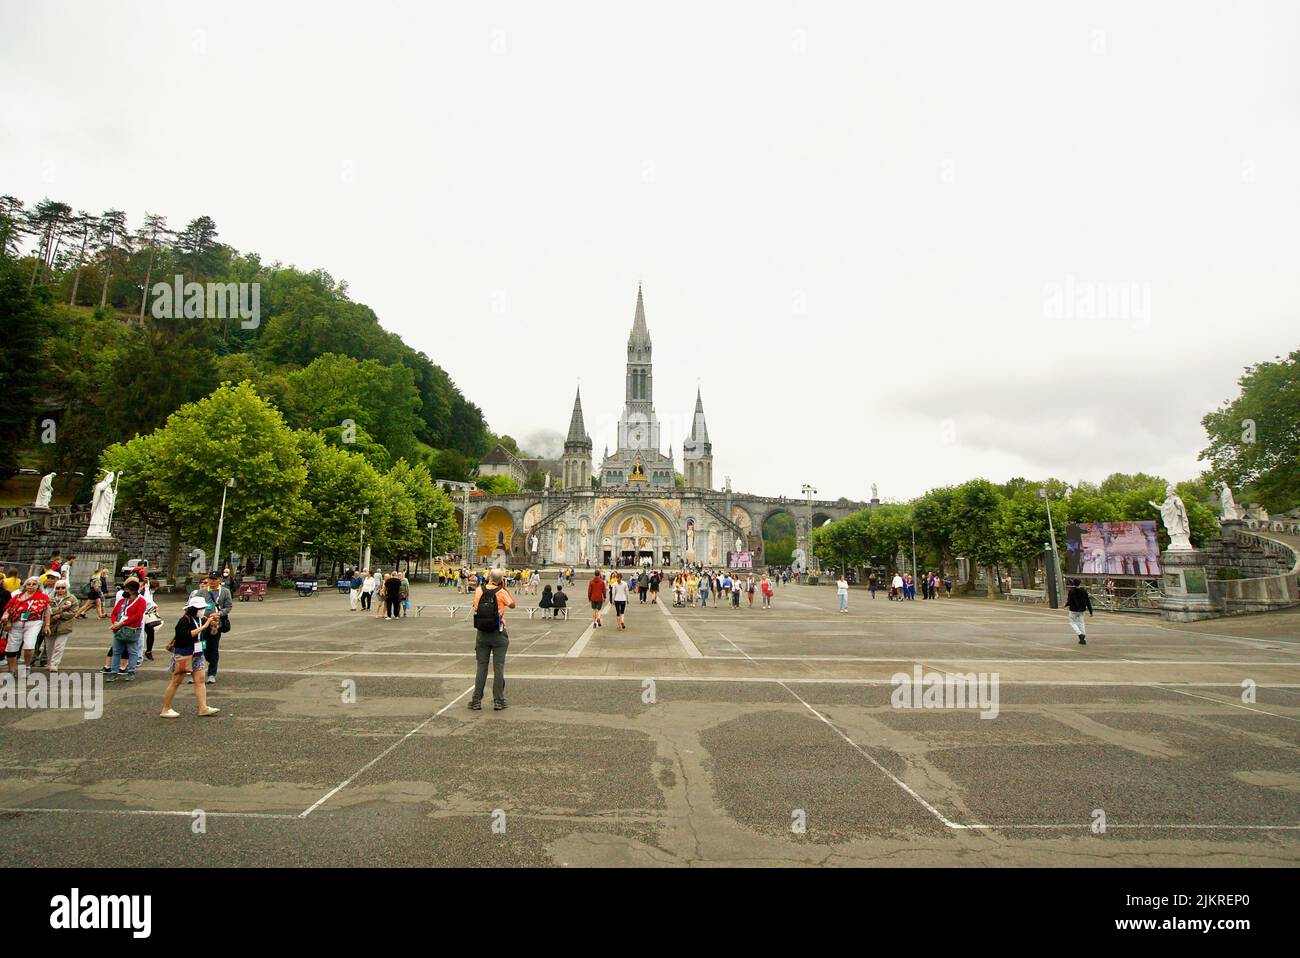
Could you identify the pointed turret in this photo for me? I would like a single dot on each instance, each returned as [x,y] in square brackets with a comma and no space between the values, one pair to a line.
[699,428]
[577,450]
[577,428]
[697,451]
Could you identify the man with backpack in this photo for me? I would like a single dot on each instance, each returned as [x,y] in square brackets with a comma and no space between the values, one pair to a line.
[491,642]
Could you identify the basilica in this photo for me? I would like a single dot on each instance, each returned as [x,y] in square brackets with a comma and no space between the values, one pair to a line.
[638,513]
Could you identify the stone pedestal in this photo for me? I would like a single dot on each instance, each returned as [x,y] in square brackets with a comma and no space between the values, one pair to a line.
[1186,585]
[95,554]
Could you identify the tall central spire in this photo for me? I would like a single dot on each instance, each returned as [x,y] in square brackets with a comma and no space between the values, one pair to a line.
[638,341]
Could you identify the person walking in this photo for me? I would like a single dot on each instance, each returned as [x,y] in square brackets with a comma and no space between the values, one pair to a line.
[25,615]
[367,590]
[63,611]
[491,640]
[127,626]
[596,596]
[186,648]
[655,579]
[896,588]
[842,590]
[1078,601]
[704,591]
[767,589]
[643,585]
[392,597]
[618,595]
[736,588]
[355,582]
[750,588]
[220,601]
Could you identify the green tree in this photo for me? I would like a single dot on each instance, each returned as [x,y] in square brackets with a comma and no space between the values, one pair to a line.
[1255,438]
[232,433]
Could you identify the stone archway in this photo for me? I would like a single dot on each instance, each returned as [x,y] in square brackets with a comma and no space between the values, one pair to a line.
[495,536]
[637,533]
[780,532]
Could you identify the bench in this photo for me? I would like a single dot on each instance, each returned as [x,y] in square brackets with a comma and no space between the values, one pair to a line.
[1028,595]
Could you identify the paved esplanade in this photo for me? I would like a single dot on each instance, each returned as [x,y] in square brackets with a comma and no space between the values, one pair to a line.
[697,736]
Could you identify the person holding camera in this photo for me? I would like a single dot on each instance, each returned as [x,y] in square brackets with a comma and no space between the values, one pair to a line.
[186,648]
[491,641]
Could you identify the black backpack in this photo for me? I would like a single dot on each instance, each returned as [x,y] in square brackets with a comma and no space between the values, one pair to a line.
[486,615]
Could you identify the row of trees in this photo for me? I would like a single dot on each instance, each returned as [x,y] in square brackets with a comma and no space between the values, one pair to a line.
[294,490]
[999,526]
[85,351]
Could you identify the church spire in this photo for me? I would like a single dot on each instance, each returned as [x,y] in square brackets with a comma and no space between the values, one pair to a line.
[699,428]
[577,428]
[639,339]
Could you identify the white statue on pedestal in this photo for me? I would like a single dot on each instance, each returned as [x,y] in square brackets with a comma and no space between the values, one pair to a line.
[534,542]
[101,507]
[1231,511]
[740,546]
[874,494]
[1174,515]
[45,491]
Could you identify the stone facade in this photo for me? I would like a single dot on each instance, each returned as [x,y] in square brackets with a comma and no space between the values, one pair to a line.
[638,515]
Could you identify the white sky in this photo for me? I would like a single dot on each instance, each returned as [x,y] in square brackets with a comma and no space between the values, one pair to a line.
[848,218]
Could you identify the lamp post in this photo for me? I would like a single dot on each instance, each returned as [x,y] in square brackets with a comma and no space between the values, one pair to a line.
[809,491]
[466,488]
[361,552]
[1055,583]
[914,557]
[221,521]
[432,526]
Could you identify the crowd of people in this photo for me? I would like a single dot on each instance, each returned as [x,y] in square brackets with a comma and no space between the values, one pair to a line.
[39,614]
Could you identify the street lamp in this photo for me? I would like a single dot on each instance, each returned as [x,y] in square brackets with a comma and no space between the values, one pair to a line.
[361,552]
[809,491]
[1056,559]
[432,526]
[216,555]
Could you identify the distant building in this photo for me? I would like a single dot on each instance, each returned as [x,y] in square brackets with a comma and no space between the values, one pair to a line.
[638,516]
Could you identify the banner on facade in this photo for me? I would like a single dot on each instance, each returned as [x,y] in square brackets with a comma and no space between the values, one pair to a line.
[740,560]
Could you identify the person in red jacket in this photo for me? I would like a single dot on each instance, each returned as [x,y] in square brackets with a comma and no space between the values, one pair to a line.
[596,593]
[128,623]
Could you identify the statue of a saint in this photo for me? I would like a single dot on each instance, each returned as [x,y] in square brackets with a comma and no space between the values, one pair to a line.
[740,546]
[101,507]
[45,491]
[533,542]
[1230,509]
[874,493]
[1174,515]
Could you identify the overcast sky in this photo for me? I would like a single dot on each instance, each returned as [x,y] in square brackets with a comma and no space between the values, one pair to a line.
[901,243]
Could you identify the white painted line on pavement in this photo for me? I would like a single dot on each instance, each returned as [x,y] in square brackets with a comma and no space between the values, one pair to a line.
[149,811]
[861,751]
[349,780]
[1234,705]
[692,650]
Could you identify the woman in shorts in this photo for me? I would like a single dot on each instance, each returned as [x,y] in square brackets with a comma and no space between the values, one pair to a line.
[618,595]
[187,656]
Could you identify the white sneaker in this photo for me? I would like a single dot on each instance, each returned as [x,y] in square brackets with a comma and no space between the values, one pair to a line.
[208,711]
[170,713]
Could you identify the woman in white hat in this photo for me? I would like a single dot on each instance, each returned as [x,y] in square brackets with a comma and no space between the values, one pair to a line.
[187,656]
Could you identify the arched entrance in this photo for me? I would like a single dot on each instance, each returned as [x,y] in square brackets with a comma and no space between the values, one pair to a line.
[637,534]
[495,535]
[780,537]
